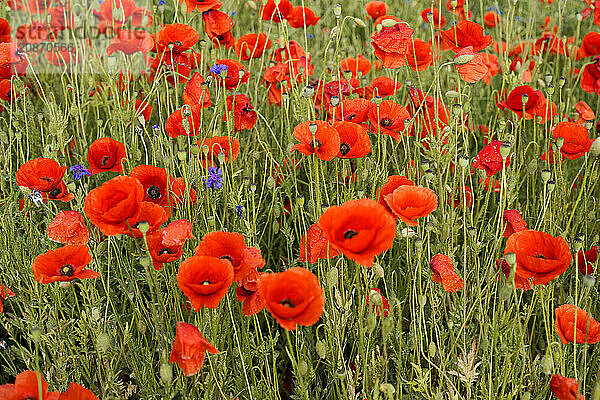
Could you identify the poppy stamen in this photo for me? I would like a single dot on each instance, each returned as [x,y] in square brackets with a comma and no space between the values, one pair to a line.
[153,192]
[316,144]
[54,193]
[206,282]
[105,160]
[287,303]
[67,270]
[349,234]
[385,122]
[344,148]
[540,255]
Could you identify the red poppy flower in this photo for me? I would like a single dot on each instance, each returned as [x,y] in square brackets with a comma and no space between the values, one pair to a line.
[63,264]
[493,68]
[435,16]
[491,19]
[585,112]
[354,110]
[4,31]
[230,246]
[176,38]
[392,45]
[166,244]
[104,155]
[317,137]
[391,184]
[590,45]
[77,392]
[68,227]
[360,229]
[196,92]
[252,45]
[442,271]
[226,145]
[539,255]
[420,56]
[410,202]
[26,387]
[389,119]
[464,34]
[165,191]
[314,246]
[116,13]
[237,74]
[520,283]
[153,214]
[189,349]
[5,293]
[200,5]
[523,100]
[275,12]
[514,222]
[357,66]
[249,294]
[376,9]
[244,115]
[185,121]
[565,388]
[586,260]
[111,206]
[205,280]
[217,26]
[174,67]
[385,86]
[473,70]
[354,140]
[294,297]
[130,41]
[489,159]
[43,174]
[383,307]
[576,137]
[300,17]
[580,328]
[590,77]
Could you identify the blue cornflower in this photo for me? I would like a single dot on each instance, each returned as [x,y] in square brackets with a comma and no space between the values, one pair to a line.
[155,127]
[218,68]
[79,171]
[239,210]
[161,2]
[233,13]
[36,197]
[310,36]
[215,178]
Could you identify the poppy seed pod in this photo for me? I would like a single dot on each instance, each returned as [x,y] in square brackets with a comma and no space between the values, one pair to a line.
[595,148]
[545,175]
[547,364]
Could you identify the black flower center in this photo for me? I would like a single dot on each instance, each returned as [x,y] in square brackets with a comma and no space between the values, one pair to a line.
[54,193]
[165,250]
[385,122]
[67,270]
[540,255]
[350,117]
[227,257]
[349,234]
[287,303]
[344,148]
[316,144]
[105,160]
[153,192]
[47,179]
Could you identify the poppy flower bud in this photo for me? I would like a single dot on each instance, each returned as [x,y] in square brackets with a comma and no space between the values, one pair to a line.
[321,349]
[302,368]
[103,342]
[387,389]
[36,334]
[387,326]
[464,59]
[388,22]
[371,323]
[64,285]
[270,183]
[378,270]
[432,349]
[360,22]
[547,364]
[332,277]
[506,291]
[463,162]
[595,148]
[166,373]
[545,175]
[589,281]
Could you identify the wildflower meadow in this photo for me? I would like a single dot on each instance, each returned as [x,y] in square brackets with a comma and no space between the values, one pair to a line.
[299,199]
